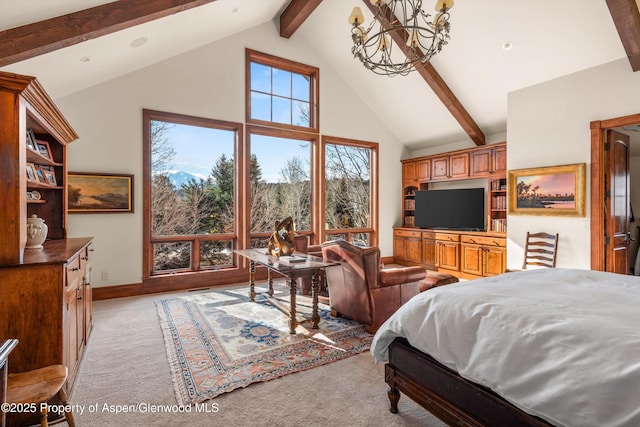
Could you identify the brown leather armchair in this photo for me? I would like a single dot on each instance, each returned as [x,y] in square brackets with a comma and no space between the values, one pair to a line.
[360,290]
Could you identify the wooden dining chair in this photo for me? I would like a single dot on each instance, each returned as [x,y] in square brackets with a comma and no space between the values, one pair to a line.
[540,250]
[38,387]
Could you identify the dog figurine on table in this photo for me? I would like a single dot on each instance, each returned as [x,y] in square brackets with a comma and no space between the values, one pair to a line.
[281,242]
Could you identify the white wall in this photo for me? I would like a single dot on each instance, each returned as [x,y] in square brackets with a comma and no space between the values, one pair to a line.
[206,82]
[548,125]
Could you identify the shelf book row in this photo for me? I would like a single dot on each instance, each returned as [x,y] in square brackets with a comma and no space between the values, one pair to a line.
[499,225]
[499,185]
[409,221]
[410,204]
[499,202]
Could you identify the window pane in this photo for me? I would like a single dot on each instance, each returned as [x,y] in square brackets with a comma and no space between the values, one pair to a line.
[281,96]
[260,78]
[282,110]
[281,82]
[171,256]
[348,188]
[259,242]
[360,239]
[300,85]
[192,179]
[216,253]
[342,236]
[280,182]
[301,113]
[260,106]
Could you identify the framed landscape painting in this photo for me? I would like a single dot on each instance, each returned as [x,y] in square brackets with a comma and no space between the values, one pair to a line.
[553,191]
[99,193]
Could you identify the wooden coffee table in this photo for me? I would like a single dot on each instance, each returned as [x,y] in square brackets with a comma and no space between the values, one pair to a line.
[292,268]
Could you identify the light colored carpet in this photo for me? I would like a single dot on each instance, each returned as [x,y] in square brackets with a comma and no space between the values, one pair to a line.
[125,368]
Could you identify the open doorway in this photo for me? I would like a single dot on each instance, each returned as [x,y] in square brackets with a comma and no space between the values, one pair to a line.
[614,236]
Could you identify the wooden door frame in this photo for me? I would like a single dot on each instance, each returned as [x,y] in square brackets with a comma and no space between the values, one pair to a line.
[598,155]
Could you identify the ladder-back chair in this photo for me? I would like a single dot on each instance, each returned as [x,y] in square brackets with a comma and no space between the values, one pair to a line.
[540,250]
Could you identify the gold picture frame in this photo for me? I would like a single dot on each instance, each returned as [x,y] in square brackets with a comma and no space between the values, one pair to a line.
[552,191]
[99,193]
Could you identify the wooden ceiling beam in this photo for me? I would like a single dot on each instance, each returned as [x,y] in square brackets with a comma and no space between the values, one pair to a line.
[626,17]
[435,81]
[295,14]
[28,41]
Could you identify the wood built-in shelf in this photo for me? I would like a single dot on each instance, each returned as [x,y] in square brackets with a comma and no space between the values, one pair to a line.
[487,162]
[36,201]
[39,159]
[33,184]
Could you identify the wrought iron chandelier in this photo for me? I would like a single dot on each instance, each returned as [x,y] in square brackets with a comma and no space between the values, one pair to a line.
[404,36]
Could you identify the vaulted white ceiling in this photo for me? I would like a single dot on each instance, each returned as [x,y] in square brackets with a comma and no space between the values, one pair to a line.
[550,39]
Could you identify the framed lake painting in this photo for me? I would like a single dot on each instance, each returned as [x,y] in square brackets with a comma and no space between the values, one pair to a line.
[554,190]
[99,193]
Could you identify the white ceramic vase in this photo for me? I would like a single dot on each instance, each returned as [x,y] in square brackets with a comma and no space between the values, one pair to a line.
[36,232]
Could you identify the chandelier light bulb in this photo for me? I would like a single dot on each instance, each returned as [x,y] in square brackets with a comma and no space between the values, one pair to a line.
[444,4]
[356,17]
[413,41]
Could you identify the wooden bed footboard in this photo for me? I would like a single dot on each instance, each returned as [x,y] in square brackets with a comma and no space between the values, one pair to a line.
[446,394]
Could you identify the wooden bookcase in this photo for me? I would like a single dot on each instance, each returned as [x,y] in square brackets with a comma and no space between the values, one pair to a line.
[464,254]
[487,162]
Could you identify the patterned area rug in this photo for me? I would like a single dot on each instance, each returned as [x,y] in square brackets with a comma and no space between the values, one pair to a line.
[220,341]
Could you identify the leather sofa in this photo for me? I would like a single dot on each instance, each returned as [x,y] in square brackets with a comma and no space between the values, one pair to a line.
[360,290]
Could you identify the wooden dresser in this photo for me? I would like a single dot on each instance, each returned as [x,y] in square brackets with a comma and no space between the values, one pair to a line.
[46,304]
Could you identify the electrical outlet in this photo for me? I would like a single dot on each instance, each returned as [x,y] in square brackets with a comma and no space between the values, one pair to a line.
[105,275]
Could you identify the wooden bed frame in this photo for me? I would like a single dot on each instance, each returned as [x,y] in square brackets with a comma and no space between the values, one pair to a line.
[446,394]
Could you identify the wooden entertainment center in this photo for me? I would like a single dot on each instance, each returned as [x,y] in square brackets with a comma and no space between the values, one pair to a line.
[465,254]
[45,293]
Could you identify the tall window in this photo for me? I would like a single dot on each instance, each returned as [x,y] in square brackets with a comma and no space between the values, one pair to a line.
[191,185]
[280,182]
[281,93]
[350,190]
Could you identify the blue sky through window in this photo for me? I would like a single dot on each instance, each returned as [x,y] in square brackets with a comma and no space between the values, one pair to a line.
[198,148]
[279,96]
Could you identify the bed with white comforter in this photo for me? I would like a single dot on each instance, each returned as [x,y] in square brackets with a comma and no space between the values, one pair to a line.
[561,344]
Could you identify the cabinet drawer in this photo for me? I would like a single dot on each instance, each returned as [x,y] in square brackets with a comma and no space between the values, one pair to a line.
[74,272]
[448,237]
[485,241]
[406,233]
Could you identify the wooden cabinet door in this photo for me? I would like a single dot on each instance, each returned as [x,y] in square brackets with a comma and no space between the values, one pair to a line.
[413,249]
[499,159]
[409,172]
[472,259]
[423,169]
[71,333]
[398,249]
[481,163]
[495,260]
[459,165]
[429,252]
[448,255]
[88,311]
[440,167]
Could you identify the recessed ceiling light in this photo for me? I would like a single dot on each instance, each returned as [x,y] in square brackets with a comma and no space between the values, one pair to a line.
[139,42]
[507,46]
[85,59]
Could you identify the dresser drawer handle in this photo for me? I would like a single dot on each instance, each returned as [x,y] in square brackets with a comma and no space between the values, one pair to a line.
[75,268]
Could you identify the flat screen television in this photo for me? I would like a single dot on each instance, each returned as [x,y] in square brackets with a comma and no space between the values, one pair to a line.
[452,209]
